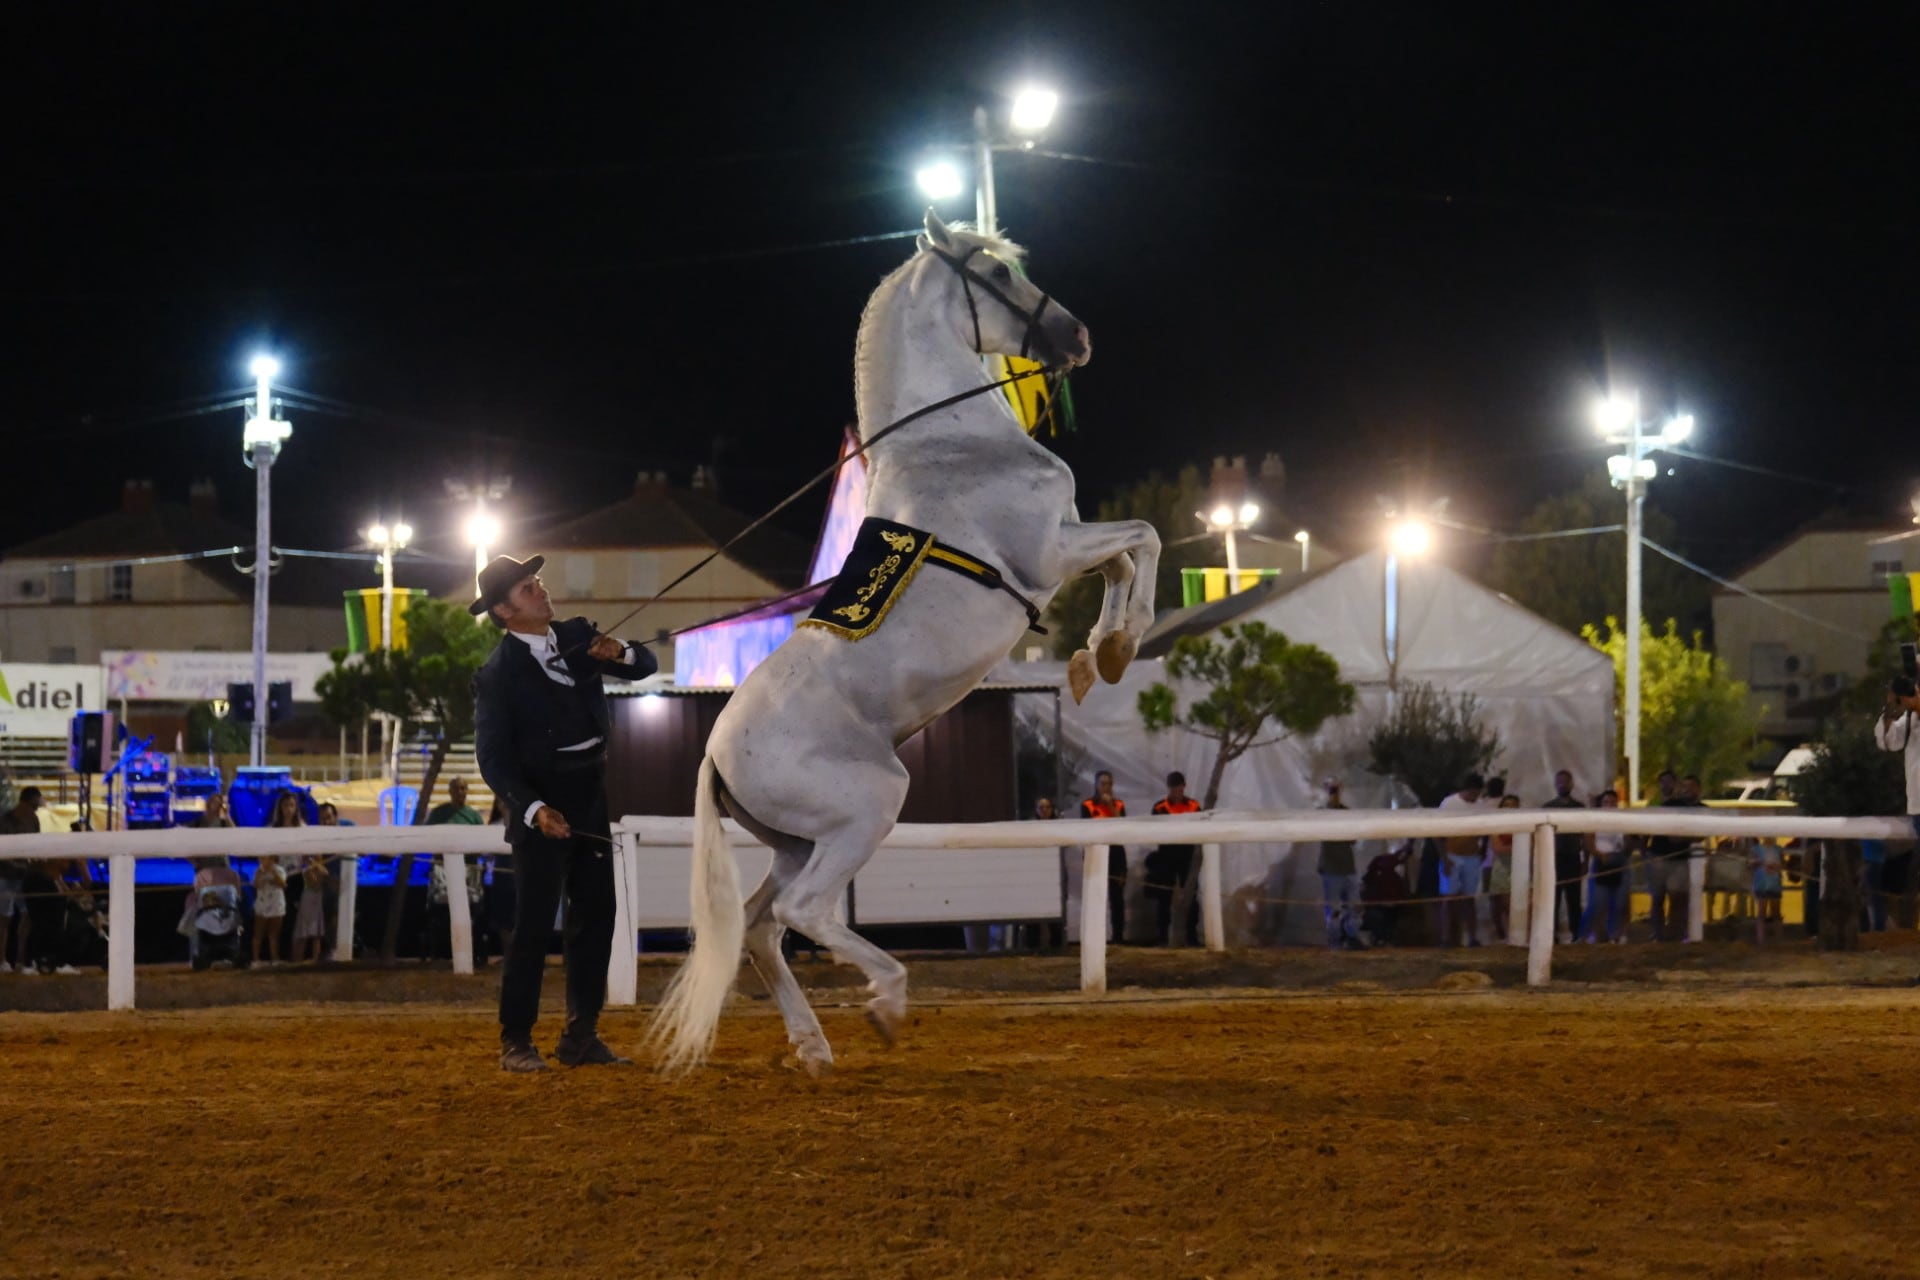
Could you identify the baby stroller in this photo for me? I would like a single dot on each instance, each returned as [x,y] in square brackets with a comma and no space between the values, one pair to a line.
[213,922]
[1383,890]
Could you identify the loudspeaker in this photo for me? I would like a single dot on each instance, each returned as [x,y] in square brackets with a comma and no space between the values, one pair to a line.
[279,702]
[90,742]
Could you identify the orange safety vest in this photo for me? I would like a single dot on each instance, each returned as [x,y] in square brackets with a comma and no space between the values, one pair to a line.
[1095,807]
[1185,805]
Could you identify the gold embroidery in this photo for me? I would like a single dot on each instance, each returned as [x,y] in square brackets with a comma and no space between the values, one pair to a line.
[885,581]
[902,542]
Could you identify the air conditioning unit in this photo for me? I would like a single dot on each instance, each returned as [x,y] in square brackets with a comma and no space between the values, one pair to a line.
[1793,691]
[33,588]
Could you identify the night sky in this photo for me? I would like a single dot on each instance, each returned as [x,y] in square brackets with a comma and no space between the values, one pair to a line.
[1404,245]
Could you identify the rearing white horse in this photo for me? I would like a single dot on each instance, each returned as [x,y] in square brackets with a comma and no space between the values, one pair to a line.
[805,755]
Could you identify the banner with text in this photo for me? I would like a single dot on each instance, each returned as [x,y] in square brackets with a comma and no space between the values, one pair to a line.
[37,700]
[152,675]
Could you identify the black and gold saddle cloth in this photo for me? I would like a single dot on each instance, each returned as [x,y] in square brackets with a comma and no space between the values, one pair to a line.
[884,558]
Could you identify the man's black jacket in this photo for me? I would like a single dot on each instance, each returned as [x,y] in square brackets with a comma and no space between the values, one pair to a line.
[517,707]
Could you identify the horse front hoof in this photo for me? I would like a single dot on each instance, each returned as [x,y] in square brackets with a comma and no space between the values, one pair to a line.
[886,1026]
[1116,650]
[1080,675]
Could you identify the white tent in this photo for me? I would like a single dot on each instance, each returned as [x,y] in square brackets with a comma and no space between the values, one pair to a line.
[1549,694]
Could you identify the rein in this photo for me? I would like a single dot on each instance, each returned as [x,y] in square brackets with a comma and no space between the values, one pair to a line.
[969,278]
[557,661]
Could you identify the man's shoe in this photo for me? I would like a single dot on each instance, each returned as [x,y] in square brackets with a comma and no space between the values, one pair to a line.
[521,1059]
[592,1053]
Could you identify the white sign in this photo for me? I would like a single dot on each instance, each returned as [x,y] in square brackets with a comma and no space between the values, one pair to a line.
[37,700]
[151,675]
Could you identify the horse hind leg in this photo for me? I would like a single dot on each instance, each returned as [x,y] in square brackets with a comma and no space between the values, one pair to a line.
[764,933]
[808,903]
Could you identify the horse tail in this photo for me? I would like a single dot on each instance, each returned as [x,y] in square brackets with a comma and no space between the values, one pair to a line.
[688,1018]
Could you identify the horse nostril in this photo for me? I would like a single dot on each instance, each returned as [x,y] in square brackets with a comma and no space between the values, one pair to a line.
[1080,332]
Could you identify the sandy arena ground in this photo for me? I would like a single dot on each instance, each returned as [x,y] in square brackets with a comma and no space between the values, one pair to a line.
[1668,1129]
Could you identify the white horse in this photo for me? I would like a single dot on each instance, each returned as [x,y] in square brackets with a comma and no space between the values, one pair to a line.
[805,755]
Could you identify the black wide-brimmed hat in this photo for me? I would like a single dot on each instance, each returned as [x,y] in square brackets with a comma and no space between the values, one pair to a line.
[499,577]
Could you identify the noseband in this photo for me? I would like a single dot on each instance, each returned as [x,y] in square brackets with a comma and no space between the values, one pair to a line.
[969,278]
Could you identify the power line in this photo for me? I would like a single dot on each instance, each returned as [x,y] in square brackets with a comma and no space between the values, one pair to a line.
[1771,603]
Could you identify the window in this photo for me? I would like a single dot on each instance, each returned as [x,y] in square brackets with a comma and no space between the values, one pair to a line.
[61,586]
[61,654]
[1880,570]
[120,582]
[643,574]
[1768,667]
[580,577]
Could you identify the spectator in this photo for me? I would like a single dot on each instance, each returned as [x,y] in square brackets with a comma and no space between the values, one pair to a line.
[500,896]
[23,818]
[214,813]
[215,916]
[310,921]
[1170,868]
[1338,883]
[1873,886]
[454,812]
[1608,860]
[328,815]
[1500,875]
[1383,892]
[1043,809]
[1664,859]
[1569,857]
[60,901]
[1764,858]
[269,907]
[1460,888]
[1104,804]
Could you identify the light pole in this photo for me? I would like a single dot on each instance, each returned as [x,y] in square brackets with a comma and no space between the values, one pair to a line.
[1619,420]
[1409,538]
[482,531]
[1226,519]
[388,540]
[1303,538]
[262,439]
[1032,112]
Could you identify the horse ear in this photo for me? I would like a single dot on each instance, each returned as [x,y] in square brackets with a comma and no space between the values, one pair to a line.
[921,244]
[937,231]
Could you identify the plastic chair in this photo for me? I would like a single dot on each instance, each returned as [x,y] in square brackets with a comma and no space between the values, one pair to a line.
[397,805]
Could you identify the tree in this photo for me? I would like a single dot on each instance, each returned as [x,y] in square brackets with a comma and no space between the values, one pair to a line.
[1169,506]
[1431,742]
[216,733]
[1693,715]
[427,685]
[1254,677]
[1849,776]
[1575,581]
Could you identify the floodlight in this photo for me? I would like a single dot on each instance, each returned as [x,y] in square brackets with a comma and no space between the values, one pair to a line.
[482,529]
[1300,537]
[1249,512]
[377,535]
[264,367]
[1222,516]
[1033,109]
[1616,413]
[1679,429]
[402,534]
[1410,538]
[939,181]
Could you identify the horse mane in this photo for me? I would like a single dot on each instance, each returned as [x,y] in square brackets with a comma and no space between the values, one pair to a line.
[967,237]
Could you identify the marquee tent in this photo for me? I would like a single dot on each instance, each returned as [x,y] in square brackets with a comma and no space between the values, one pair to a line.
[1389,624]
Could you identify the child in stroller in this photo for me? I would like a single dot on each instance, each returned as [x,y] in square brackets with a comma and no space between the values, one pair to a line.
[1383,890]
[212,918]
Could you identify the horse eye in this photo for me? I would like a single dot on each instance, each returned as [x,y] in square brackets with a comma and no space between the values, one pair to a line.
[1001,273]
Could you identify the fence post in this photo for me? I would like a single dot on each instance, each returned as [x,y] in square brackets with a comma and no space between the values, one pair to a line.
[459,911]
[1213,923]
[343,918]
[1520,891]
[1540,927]
[1696,894]
[1093,920]
[623,979]
[120,931]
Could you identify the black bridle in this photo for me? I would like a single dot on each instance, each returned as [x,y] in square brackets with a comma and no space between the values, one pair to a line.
[969,278]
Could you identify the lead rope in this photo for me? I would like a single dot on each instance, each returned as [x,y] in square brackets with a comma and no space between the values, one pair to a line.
[558,660]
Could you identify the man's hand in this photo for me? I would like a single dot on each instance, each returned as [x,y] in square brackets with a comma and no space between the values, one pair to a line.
[551,823]
[607,649]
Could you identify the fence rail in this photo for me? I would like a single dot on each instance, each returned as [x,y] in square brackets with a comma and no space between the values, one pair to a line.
[634,834]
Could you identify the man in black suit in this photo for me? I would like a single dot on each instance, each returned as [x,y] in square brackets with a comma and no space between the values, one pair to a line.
[541,725]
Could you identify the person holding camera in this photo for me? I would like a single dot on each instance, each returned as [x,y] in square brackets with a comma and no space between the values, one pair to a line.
[1894,731]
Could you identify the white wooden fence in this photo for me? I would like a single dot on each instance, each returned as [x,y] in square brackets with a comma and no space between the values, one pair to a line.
[637,838]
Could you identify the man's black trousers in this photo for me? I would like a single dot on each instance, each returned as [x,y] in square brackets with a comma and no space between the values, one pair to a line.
[544,871]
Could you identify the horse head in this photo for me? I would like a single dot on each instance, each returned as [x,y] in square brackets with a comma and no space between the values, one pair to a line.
[996,309]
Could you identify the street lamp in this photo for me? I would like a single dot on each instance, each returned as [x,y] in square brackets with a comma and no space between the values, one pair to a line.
[1032,111]
[1226,519]
[939,181]
[482,531]
[1619,421]
[1412,538]
[387,540]
[261,440]
[1304,539]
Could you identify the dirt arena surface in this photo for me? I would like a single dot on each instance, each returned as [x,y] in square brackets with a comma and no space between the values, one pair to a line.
[1665,1131]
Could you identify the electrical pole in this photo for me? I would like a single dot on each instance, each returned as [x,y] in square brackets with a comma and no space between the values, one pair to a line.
[263,437]
[984,212]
